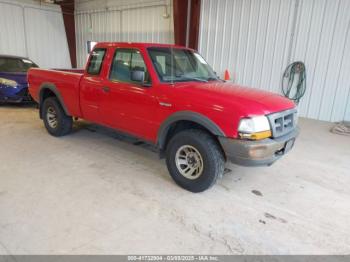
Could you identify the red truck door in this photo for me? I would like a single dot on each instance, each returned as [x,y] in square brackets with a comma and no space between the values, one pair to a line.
[126,104]
[91,87]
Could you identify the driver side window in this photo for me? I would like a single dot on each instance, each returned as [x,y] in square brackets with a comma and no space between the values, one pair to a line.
[125,62]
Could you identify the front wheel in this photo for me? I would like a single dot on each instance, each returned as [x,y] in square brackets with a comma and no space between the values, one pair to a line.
[194,160]
[55,119]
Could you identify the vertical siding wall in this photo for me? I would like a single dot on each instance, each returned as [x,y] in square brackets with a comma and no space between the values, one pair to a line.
[35,31]
[257,39]
[140,22]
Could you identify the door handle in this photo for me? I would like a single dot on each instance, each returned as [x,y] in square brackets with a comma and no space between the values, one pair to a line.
[106,89]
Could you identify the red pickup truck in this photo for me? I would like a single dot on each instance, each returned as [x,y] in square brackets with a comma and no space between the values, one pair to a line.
[169,96]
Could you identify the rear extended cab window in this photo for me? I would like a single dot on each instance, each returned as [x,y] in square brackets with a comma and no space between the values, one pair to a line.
[96,60]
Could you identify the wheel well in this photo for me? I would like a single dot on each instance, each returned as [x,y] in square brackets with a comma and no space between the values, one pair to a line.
[46,93]
[181,125]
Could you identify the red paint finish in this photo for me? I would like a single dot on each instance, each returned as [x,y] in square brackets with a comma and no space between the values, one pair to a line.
[67,83]
[137,110]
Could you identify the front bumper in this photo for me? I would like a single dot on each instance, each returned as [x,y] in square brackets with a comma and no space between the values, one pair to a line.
[257,153]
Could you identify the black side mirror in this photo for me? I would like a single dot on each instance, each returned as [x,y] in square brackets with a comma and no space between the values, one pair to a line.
[138,76]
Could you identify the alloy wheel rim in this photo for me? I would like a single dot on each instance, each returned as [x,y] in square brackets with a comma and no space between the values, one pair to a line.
[189,162]
[51,117]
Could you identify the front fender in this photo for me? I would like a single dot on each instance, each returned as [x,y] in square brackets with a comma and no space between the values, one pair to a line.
[186,116]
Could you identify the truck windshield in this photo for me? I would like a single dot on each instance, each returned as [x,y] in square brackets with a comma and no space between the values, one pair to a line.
[180,65]
[12,65]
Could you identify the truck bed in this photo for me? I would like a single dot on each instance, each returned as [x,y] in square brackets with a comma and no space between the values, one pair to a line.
[64,81]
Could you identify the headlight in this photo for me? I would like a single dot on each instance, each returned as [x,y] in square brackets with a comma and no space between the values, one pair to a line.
[254,128]
[8,82]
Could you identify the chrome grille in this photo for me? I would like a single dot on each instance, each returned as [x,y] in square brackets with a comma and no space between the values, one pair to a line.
[283,122]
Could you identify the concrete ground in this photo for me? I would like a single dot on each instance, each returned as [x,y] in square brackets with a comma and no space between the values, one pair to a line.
[92,192]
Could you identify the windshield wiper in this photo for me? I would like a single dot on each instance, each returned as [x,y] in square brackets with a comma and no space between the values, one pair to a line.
[212,78]
[197,79]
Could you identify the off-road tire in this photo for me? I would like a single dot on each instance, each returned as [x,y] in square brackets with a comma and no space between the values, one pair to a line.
[64,122]
[210,151]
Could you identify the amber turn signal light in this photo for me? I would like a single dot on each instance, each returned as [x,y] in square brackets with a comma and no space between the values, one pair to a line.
[256,136]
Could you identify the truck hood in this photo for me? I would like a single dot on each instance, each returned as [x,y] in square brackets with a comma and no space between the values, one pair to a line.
[229,96]
[19,77]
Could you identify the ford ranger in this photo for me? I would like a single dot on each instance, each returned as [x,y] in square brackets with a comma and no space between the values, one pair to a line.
[169,96]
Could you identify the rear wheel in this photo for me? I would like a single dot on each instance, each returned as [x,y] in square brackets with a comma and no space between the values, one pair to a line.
[55,119]
[194,160]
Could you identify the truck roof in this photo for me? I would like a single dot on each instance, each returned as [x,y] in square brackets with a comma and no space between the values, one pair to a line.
[139,45]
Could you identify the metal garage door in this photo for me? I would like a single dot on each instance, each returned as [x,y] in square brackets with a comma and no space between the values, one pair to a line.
[257,40]
[137,23]
[36,31]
